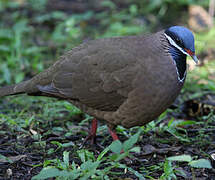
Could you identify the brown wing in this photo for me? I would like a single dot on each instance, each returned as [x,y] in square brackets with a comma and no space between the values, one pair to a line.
[98,75]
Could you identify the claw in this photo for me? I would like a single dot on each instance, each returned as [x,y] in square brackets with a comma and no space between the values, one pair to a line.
[92,133]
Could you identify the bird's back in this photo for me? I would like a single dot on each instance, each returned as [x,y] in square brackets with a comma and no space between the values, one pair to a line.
[123,80]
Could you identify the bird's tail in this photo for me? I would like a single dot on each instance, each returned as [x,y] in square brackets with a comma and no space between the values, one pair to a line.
[13,89]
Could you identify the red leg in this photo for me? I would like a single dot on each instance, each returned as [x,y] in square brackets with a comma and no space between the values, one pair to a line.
[93,130]
[113,134]
[92,133]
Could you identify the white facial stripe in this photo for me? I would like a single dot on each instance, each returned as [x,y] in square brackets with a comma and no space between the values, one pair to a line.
[171,41]
[178,47]
[179,79]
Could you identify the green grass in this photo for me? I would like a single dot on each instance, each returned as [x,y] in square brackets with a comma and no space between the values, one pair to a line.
[52,131]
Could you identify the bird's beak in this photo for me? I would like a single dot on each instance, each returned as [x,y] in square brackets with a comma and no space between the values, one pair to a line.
[195,58]
[192,55]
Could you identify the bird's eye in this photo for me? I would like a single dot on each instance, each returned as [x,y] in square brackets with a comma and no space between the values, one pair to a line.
[178,40]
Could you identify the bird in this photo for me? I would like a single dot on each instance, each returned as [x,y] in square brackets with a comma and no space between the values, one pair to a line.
[127,81]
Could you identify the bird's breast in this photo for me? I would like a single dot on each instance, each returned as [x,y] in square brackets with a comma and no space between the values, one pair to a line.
[157,87]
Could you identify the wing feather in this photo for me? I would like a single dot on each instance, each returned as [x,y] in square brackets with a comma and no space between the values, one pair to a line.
[99,75]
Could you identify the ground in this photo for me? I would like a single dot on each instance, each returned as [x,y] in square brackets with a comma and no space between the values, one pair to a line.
[42,137]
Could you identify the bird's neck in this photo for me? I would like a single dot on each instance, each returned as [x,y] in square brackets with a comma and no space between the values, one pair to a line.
[180,61]
[178,57]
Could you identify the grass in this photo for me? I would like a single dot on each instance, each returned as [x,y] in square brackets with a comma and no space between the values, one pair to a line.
[41,137]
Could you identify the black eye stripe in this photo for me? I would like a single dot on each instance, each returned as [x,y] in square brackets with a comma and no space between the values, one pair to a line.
[175,38]
[179,42]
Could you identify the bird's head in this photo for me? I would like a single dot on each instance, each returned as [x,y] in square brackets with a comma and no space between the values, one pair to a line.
[182,39]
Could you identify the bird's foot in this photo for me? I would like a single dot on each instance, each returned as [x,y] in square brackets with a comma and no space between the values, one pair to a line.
[114,136]
[91,138]
[92,134]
